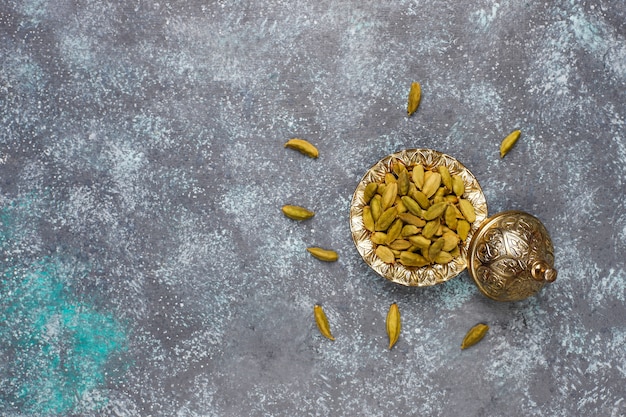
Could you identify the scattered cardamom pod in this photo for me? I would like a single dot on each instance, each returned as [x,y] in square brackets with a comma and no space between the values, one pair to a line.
[297,212]
[325,255]
[508,142]
[322,322]
[415,95]
[394,324]
[474,335]
[302,146]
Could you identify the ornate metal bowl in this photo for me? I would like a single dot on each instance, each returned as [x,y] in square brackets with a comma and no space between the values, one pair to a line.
[398,273]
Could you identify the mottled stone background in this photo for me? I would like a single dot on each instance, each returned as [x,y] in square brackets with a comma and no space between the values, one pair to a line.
[147,269]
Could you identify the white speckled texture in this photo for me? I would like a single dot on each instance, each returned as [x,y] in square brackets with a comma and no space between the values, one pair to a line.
[148,270]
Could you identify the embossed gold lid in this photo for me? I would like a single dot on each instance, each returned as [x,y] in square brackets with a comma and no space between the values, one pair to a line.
[509,255]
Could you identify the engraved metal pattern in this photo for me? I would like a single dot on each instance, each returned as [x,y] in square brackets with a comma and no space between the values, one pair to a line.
[503,253]
[428,275]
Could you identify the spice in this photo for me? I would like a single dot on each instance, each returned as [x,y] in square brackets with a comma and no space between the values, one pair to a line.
[302,146]
[297,212]
[508,142]
[322,322]
[394,324]
[419,215]
[323,254]
[415,95]
[474,335]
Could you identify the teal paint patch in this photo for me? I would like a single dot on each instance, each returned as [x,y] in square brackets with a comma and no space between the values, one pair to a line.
[56,348]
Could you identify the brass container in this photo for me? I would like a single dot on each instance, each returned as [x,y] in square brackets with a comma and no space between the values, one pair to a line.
[509,255]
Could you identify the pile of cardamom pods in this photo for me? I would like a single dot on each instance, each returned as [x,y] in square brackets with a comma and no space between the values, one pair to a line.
[417,217]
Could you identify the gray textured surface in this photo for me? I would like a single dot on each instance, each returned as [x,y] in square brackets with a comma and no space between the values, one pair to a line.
[148,271]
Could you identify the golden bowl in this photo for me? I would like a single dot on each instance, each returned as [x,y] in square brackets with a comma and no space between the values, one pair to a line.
[398,273]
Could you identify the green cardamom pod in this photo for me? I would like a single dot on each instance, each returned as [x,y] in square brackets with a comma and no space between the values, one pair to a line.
[420,241]
[297,212]
[389,196]
[431,228]
[451,241]
[302,146]
[409,229]
[435,211]
[368,220]
[446,178]
[417,175]
[394,324]
[379,238]
[462,228]
[431,184]
[412,206]
[412,219]
[450,217]
[400,244]
[458,186]
[325,255]
[403,181]
[435,248]
[377,208]
[385,254]
[415,96]
[394,230]
[508,142]
[443,257]
[412,259]
[467,209]
[386,219]
[474,335]
[369,192]
[322,322]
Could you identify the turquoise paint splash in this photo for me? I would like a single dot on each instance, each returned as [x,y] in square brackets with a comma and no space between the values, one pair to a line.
[58,347]
[56,351]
